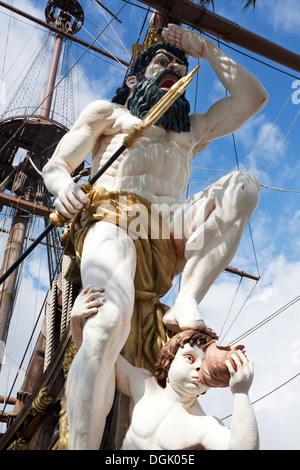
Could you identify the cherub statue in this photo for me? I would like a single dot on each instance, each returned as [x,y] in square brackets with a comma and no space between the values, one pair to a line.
[166,412]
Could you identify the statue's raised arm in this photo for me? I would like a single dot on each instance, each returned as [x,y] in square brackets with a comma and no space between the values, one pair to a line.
[247,95]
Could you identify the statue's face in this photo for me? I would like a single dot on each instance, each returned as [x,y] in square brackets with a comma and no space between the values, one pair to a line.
[164,60]
[164,70]
[184,370]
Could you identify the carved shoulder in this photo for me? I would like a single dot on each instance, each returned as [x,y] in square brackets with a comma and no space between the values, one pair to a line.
[95,113]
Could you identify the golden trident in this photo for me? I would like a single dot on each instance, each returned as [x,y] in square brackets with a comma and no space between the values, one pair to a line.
[138,131]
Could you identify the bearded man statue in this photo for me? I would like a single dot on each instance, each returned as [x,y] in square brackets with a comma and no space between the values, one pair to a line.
[155,172]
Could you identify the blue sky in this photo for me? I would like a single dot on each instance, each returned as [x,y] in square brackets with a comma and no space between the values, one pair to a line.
[275,225]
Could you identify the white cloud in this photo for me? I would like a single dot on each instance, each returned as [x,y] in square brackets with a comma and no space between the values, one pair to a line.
[217,91]
[90,88]
[37,268]
[284,18]
[261,139]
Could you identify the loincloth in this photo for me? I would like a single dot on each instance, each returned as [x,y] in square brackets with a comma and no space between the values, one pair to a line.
[155,251]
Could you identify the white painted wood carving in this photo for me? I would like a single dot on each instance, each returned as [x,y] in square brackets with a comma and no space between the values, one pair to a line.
[157,169]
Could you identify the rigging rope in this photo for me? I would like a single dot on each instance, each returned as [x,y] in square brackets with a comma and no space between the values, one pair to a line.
[24,355]
[123,48]
[253,58]
[6,44]
[270,392]
[28,345]
[210,169]
[284,140]
[257,326]
[270,130]
[254,250]
[266,320]
[21,51]
[277,388]
[25,91]
[17,301]
[102,45]
[10,356]
[200,182]
[230,308]
[280,189]
[235,318]
[142,32]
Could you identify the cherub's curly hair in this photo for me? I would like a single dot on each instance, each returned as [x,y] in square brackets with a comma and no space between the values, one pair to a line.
[169,350]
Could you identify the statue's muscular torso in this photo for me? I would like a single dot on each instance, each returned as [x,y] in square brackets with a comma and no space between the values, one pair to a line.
[157,168]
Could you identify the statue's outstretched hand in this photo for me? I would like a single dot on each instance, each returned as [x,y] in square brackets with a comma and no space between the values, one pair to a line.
[192,43]
[240,380]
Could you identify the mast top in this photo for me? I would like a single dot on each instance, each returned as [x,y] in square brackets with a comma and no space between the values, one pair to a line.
[67,15]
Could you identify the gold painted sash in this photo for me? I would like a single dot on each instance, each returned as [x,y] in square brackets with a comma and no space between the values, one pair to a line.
[155,252]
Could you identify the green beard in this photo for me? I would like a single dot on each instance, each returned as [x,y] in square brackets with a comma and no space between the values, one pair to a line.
[146,94]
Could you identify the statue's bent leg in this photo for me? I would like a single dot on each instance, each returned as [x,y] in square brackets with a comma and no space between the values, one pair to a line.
[109,261]
[214,221]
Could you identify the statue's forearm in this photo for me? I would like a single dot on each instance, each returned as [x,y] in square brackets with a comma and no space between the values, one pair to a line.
[237,80]
[244,432]
[56,176]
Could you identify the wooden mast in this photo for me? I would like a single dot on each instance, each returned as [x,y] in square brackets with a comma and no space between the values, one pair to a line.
[13,250]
